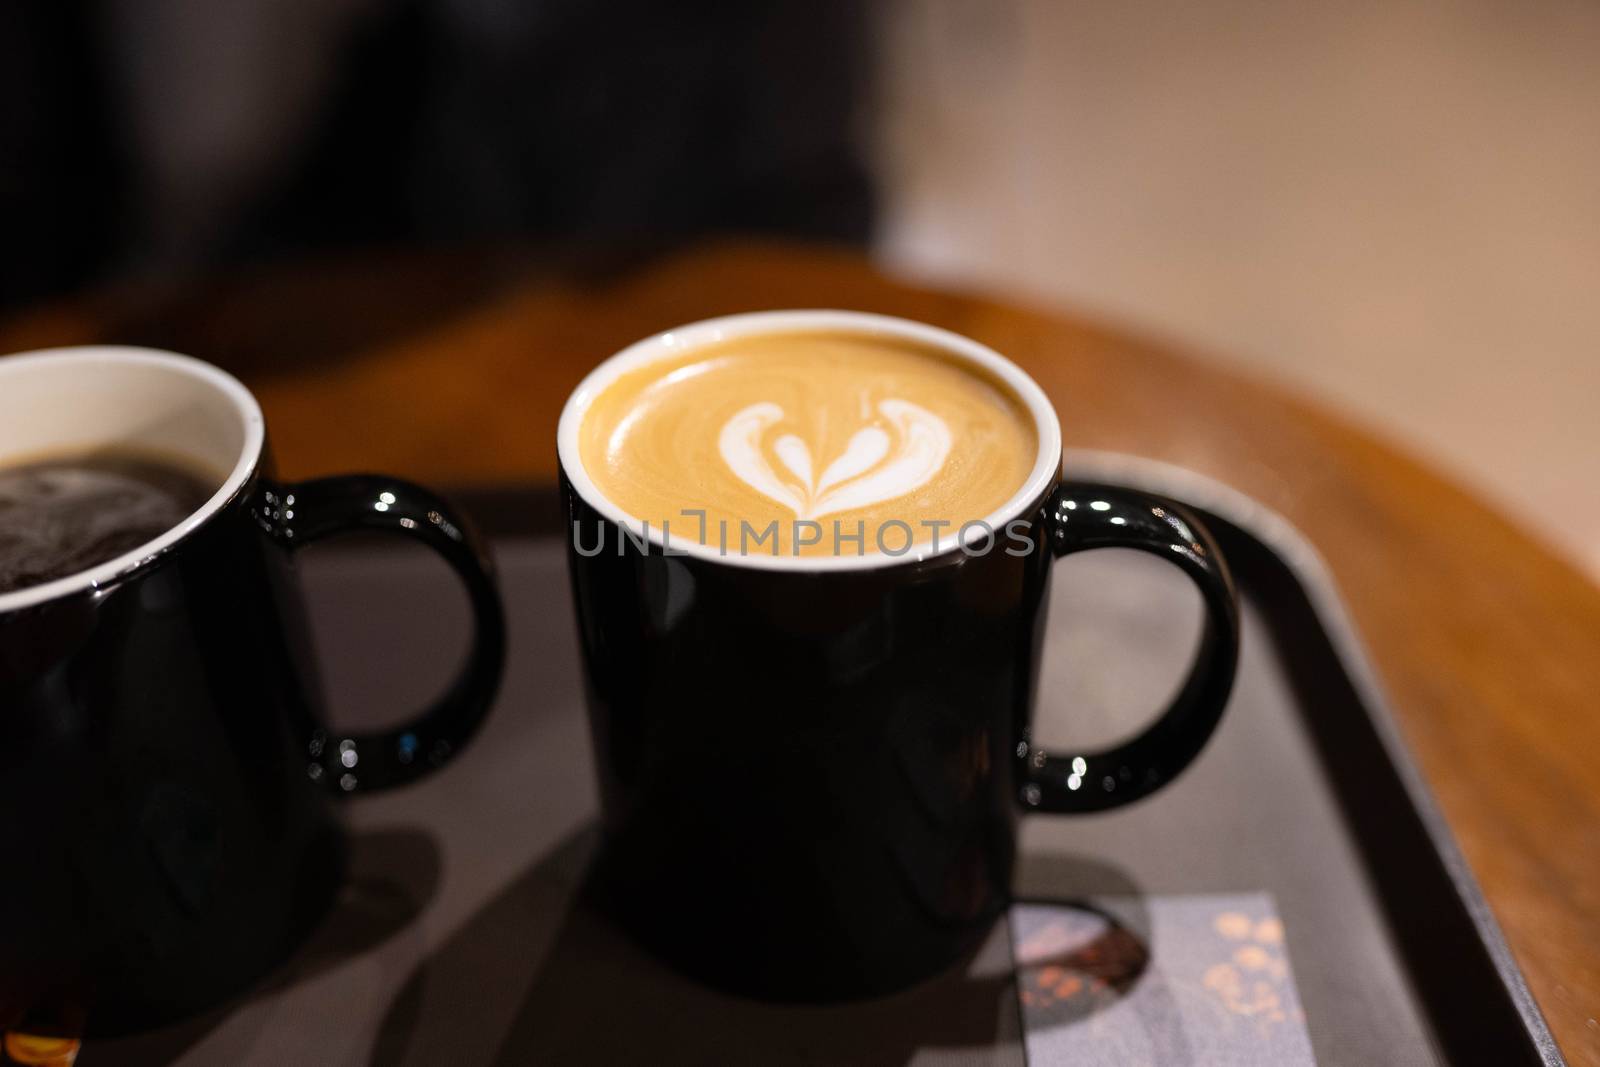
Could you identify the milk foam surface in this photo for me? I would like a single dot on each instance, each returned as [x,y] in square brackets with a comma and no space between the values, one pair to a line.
[831,428]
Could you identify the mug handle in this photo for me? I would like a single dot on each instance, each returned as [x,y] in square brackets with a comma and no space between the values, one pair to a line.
[310,511]
[1082,516]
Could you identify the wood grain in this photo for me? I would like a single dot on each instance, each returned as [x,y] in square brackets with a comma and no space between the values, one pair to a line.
[1488,644]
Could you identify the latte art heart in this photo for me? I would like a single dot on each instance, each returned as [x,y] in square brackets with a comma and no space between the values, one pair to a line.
[853,433]
[876,465]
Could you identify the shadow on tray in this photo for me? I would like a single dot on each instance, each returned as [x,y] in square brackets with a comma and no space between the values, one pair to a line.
[393,875]
[538,975]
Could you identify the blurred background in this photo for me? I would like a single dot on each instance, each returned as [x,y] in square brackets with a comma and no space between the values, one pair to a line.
[1393,207]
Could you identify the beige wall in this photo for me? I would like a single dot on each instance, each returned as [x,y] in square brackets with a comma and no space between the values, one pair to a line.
[1395,207]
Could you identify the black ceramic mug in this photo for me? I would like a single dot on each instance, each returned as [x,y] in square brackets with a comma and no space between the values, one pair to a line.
[812,768]
[167,770]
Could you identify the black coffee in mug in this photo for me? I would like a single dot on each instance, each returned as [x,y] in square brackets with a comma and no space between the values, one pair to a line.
[67,514]
[810,555]
[169,772]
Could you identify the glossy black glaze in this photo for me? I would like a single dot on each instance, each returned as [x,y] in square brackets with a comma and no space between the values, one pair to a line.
[1082,517]
[161,744]
[317,509]
[811,780]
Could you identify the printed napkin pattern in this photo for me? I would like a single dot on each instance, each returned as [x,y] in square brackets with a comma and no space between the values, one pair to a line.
[1159,980]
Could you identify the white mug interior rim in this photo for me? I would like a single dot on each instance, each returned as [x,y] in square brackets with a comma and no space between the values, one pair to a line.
[1047,428]
[90,359]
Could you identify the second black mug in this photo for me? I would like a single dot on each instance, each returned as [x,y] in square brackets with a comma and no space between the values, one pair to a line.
[812,769]
[168,773]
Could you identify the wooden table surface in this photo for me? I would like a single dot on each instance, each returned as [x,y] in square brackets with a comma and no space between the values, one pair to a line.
[451,369]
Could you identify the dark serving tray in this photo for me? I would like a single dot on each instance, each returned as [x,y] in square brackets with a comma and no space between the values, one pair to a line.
[460,938]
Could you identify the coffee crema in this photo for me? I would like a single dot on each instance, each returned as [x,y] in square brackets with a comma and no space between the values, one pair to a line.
[848,431]
[67,514]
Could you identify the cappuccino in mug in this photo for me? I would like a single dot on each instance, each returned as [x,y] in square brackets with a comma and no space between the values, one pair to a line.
[813,760]
[808,443]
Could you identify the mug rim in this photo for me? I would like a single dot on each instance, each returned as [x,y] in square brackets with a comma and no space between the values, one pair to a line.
[118,568]
[680,339]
